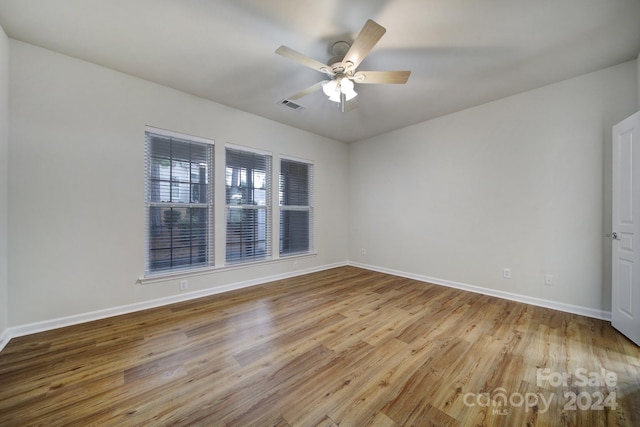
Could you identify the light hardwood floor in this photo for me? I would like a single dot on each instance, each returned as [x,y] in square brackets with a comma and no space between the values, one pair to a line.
[346,347]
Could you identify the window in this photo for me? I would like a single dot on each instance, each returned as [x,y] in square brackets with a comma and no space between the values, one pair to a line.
[179,204]
[296,207]
[179,201]
[248,203]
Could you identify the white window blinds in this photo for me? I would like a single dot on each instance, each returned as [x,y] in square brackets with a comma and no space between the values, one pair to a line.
[296,207]
[248,205]
[179,202]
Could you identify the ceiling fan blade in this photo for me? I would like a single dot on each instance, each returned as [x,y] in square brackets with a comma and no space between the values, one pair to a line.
[381,77]
[304,60]
[308,90]
[370,34]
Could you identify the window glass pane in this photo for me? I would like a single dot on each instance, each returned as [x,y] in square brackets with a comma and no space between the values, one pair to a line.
[247,172]
[174,166]
[294,231]
[294,183]
[160,146]
[247,234]
[177,237]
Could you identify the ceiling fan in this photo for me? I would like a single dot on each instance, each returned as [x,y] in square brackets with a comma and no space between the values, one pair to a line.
[341,69]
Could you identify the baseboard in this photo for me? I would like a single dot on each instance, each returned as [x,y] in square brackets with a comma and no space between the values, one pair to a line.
[569,308]
[46,325]
[4,338]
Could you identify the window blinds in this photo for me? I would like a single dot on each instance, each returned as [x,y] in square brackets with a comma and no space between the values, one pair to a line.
[296,207]
[179,197]
[248,205]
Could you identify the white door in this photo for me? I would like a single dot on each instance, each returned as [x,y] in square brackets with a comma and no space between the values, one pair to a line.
[625,293]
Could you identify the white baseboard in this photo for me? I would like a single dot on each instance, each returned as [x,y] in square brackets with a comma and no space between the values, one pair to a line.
[4,338]
[46,325]
[569,308]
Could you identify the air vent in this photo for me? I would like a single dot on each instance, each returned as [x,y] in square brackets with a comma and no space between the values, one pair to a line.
[291,104]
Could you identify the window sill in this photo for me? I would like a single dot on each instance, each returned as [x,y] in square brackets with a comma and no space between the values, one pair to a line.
[173,275]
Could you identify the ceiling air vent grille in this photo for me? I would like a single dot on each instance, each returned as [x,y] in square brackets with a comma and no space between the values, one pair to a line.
[290,104]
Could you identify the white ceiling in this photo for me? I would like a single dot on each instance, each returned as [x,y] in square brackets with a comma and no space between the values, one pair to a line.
[461,53]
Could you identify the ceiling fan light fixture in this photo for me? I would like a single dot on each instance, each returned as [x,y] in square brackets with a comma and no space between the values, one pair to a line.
[334,88]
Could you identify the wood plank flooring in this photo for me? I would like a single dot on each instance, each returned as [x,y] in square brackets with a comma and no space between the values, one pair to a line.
[342,347]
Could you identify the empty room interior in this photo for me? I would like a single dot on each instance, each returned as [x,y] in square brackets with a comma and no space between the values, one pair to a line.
[320,213]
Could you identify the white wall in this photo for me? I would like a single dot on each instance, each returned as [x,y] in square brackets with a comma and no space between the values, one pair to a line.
[4,177]
[638,79]
[76,211]
[523,183]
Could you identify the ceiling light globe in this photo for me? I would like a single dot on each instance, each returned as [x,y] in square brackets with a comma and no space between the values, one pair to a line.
[330,88]
[346,86]
[350,95]
[335,97]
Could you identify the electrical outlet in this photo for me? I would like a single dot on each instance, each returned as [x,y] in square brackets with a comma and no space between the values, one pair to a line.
[506,273]
[364,251]
[184,285]
[295,265]
[548,279]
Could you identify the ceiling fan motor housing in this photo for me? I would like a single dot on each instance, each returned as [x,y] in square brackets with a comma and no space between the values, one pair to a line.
[339,49]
